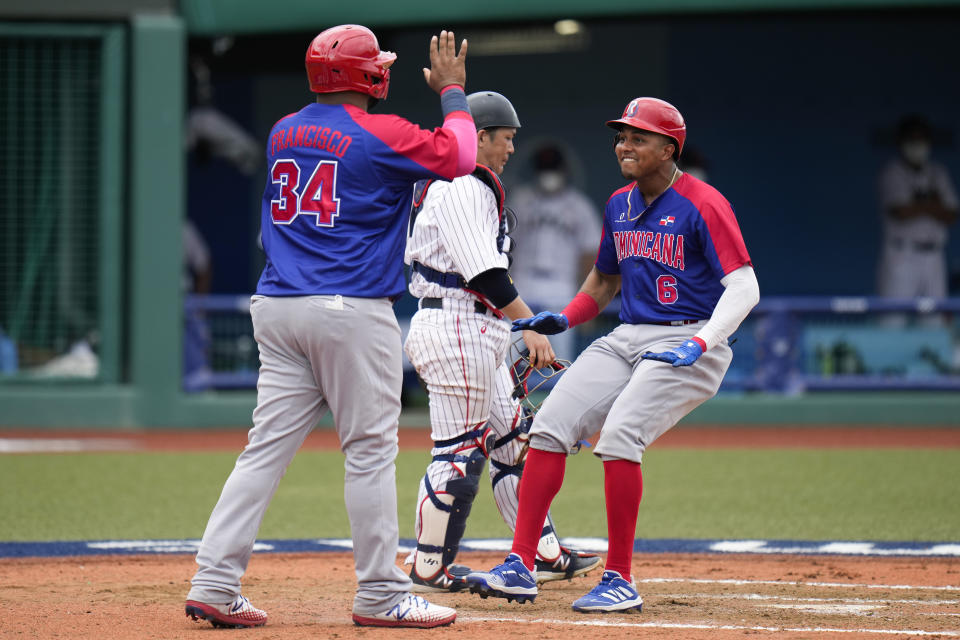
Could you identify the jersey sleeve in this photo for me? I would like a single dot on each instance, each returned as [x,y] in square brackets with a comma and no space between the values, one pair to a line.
[607,254]
[400,151]
[722,241]
[468,227]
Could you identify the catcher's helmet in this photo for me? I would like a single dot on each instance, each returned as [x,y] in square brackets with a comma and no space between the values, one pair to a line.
[652,114]
[348,58]
[490,109]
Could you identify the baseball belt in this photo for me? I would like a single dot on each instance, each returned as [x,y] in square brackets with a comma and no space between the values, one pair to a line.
[437,303]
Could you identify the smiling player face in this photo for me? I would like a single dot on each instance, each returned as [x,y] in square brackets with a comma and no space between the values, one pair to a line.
[640,152]
[495,146]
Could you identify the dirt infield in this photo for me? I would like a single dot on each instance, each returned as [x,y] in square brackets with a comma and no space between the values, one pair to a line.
[689,597]
[781,436]
[309,595]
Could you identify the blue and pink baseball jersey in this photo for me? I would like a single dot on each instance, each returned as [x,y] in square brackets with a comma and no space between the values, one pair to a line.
[672,257]
[338,191]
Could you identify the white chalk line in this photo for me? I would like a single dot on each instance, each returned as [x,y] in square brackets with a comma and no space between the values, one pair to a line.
[757,596]
[65,445]
[706,627]
[837,585]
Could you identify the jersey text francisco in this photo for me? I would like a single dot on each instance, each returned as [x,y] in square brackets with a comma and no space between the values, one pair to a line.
[666,248]
[323,138]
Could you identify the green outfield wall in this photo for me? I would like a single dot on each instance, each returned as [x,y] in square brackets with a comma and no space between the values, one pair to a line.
[124,407]
[139,206]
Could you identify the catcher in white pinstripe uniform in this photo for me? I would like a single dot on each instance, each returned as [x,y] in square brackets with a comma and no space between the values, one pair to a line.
[458,251]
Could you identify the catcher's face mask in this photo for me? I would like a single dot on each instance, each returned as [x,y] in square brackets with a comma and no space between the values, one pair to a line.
[528,380]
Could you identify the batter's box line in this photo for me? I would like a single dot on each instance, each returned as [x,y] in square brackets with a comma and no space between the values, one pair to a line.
[726,546]
[707,627]
[760,597]
[828,585]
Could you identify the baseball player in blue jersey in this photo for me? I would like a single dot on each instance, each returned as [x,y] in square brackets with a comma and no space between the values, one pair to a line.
[672,247]
[337,197]
[459,252]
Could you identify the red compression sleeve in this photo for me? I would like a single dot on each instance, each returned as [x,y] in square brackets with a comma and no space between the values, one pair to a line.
[541,480]
[581,309]
[623,487]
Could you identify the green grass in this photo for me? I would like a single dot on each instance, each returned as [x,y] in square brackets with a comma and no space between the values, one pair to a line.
[783,494]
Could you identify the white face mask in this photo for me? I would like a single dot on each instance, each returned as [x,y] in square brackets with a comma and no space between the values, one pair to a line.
[917,152]
[551,181]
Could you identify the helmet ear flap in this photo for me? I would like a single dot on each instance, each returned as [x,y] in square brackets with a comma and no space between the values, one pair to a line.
[348,58]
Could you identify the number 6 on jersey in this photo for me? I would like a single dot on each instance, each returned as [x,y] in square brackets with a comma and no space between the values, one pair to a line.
[319,196]
[667,289]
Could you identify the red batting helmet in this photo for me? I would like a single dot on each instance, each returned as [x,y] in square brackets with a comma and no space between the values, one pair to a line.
[652,114]
[348,58]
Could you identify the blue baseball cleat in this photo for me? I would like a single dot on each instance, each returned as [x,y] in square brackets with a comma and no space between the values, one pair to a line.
[510,580]
[613,594]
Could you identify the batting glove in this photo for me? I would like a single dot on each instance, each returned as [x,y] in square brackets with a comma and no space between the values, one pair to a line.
[545,322]
[684,355]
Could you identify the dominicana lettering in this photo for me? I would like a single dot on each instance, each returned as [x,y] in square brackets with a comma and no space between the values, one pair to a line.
[666,248]
[323,138]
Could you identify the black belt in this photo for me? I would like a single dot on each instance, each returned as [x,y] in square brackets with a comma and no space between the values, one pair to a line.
[437,303]
[676,323]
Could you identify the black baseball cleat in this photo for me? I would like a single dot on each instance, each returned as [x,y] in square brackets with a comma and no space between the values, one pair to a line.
[485,592]
[570,564]
[450,578]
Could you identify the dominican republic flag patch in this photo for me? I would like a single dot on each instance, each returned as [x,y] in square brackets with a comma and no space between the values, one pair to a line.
[666,221]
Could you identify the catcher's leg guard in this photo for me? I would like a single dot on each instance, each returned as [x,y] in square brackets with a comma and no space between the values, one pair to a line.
[443,513]
[506,466]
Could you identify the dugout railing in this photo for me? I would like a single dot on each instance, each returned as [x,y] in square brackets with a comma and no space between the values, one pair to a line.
[787,345]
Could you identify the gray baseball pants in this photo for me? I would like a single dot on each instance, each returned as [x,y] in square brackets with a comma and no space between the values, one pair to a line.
[317,353]
[630,401]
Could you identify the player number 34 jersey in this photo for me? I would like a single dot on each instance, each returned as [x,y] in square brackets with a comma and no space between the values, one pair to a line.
[338,190]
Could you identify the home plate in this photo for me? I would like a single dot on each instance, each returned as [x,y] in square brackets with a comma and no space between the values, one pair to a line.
[850,609]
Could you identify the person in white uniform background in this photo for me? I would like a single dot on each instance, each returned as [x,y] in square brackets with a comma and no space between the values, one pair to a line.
[918,203]
[554,218]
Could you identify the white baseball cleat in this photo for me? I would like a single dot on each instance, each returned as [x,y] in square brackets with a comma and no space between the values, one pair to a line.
[237,614]
[411,611]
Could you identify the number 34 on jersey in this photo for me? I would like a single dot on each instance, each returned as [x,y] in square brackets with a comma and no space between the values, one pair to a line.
[317,196]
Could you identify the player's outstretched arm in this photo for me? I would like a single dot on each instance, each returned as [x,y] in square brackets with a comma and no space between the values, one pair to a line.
[541,352]
[595,294]
[602,287]
[545,322]
[447,67]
